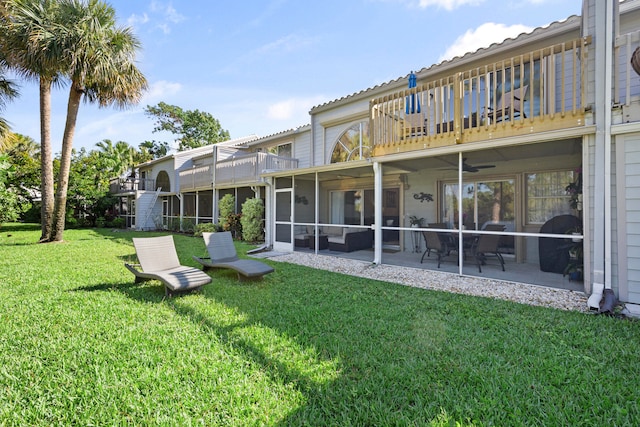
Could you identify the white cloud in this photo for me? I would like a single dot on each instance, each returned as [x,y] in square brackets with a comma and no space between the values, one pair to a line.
[289,43]
[134,19]
[293,108]
[163,16]
[160,90]
[448,4]
[483,36]
[164,28]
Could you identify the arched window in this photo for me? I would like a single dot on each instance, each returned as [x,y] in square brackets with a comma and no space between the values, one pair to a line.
[162,181]
[353,144]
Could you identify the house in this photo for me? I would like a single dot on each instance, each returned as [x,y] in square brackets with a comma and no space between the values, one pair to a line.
[538,136]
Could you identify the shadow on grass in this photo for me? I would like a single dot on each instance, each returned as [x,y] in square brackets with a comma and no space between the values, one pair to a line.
[16,226]
[238,336]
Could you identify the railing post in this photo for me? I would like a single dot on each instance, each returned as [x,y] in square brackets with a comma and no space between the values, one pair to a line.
[457,107]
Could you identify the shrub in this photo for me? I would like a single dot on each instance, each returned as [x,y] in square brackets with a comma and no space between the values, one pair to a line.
[173,224]
[101,222]
[226,206]
[252,220]
[9,206]
[204,227]
[118,222]
[229,219]
[188,225]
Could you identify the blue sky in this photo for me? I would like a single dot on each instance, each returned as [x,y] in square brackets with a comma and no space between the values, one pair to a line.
[260,66]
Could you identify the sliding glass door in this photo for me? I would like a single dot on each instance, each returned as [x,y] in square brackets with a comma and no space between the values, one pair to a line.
[483,202]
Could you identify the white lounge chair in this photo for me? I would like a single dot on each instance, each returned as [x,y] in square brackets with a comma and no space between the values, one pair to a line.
[159,261]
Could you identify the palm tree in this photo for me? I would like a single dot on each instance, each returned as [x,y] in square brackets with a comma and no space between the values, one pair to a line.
[118,157]
[8,91]
[30,36]
[100,64]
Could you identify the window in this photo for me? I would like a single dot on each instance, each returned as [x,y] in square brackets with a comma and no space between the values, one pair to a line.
[162,181]
[353,207]
[353,144]
[283,150]
[546,195]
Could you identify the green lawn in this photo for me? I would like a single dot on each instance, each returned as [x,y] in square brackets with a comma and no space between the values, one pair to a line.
[81,344]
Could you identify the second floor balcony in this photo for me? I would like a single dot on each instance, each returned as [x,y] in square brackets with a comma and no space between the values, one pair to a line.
[537,91]
[130,185]
[246,168]
[197,177]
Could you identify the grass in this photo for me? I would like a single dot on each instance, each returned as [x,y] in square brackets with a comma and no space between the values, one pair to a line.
[81,344]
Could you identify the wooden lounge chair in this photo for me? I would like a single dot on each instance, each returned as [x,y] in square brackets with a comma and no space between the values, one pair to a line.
[222,254]
[159,261]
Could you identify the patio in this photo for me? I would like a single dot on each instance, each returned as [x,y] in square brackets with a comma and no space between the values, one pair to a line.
[528,273]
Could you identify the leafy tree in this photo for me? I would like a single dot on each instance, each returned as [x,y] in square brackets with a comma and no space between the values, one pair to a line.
[31,36]
[23,153]
[99,60]
[155,149]
[9,206]
[89,184]
[193,128]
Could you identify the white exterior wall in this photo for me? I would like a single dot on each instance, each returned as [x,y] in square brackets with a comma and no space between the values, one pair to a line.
[628,216]
[302,148]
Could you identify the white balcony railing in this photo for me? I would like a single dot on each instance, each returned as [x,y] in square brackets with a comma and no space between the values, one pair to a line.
[128,185]
[197,177]
[246,169]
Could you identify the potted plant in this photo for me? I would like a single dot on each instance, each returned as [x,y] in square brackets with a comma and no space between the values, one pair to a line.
[575,266]
[574,190]
[415,221]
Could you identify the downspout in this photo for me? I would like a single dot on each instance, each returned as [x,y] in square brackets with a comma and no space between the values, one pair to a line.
[317,209]
[268,213]
[214,207]
[610,301]
[604,20]
[460,215]
[377,202]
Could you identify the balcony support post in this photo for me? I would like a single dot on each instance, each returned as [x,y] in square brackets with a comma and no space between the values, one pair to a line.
[457,106]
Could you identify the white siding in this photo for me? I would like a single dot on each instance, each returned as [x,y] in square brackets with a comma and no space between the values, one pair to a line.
[146,213]
[302,149]
[632,215]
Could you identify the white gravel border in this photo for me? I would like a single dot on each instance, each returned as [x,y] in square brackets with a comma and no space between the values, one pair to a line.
[428,279]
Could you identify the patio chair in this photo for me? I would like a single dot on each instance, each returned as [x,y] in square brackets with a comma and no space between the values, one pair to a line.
[509,104]
[437,243]
[489,245]
[159,261]
[222,254]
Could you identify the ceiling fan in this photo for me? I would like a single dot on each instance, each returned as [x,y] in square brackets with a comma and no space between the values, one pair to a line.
[466,167]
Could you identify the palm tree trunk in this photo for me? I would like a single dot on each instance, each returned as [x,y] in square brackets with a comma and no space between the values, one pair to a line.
[75,94]
[46,161]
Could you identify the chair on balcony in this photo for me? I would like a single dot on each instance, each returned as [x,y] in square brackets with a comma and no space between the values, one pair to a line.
[159,261]
[509,105]
[222,254]
[414,124]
